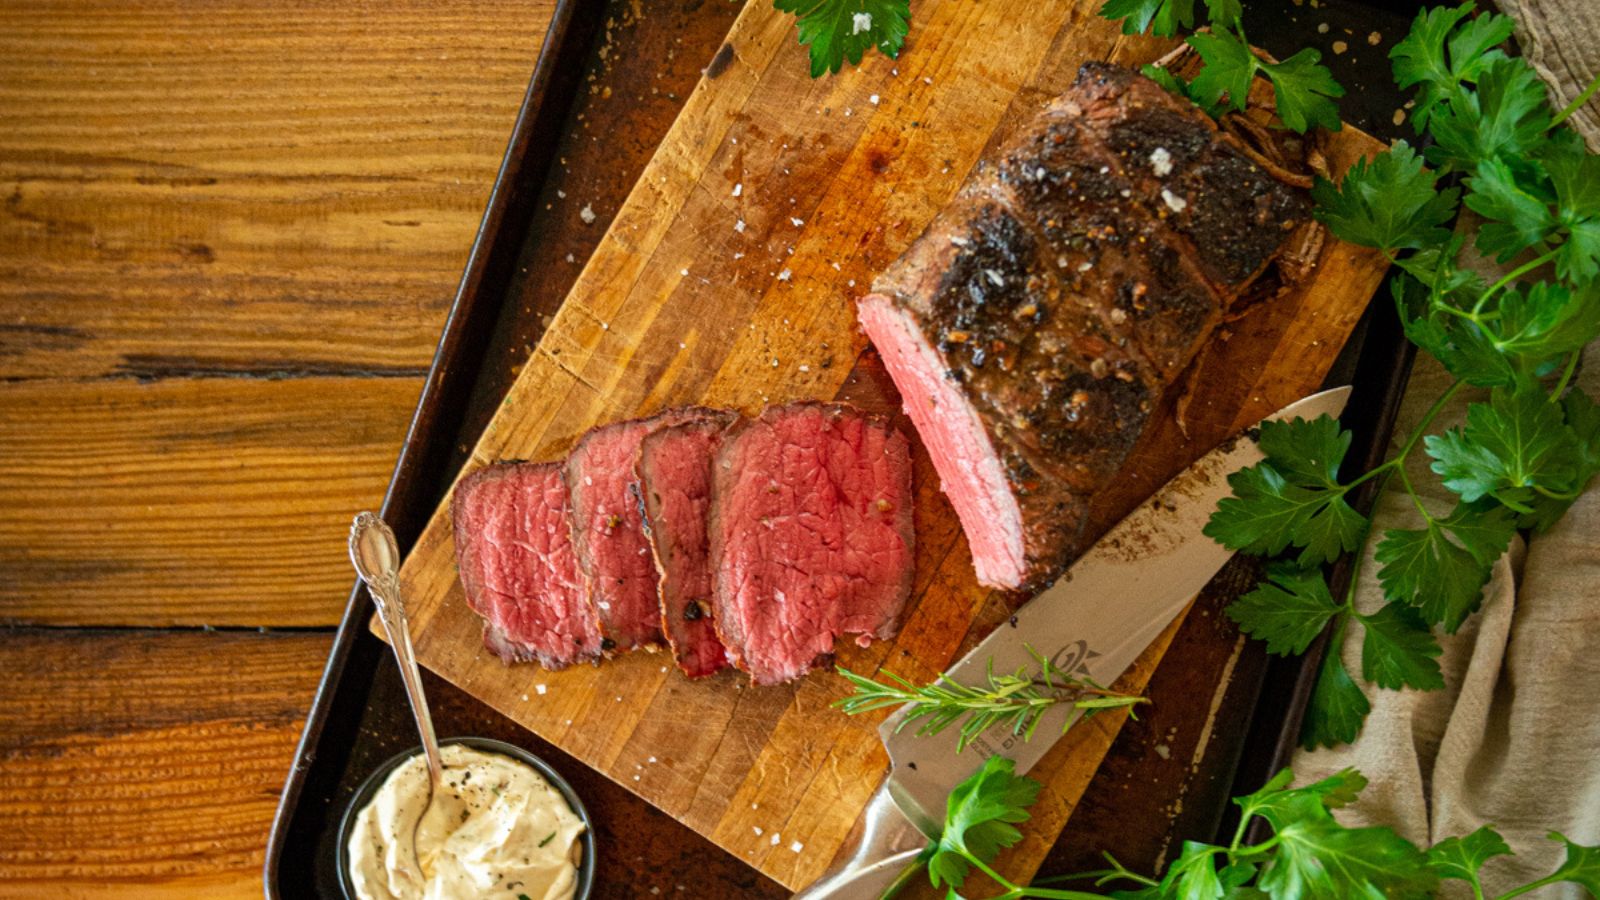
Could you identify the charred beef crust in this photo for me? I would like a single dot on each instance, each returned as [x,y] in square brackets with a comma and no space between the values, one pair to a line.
[1237,215]
[1077,273]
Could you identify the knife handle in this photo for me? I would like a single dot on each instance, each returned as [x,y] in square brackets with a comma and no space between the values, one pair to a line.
[888,848]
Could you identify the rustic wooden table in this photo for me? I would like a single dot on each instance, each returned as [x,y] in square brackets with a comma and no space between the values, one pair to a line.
[229,237]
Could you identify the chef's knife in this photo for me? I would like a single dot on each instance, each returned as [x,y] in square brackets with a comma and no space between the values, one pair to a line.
[1095,621]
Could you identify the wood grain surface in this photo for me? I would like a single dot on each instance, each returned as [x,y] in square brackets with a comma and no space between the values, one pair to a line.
[145,764]
[681,302]
[195,196]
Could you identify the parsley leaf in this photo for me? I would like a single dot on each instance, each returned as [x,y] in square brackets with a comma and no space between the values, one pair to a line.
[1229,67]
[838,30]
[1389,202]
[1583,417]
[979,819]
[1287,610]
[1426,569]
[1279,804]
[1507,115]
[1292,497]
[1575,175]
[1305,91]
[1464,348]
[1460,858]
[1509,447]
[1317,857]
[1166,79]
[1442,577]
[1167,16]
[1438,61]
[1338,705]
[1517,218]
[1193,875]
[1582,865]
[1545,321]
[1399,650]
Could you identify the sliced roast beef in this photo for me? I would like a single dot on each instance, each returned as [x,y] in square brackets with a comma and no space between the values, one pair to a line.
[1043,314]
[518,569]
[608,531]
[674,471]
[811,533]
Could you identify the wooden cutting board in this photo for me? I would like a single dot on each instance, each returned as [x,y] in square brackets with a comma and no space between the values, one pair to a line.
[727,279]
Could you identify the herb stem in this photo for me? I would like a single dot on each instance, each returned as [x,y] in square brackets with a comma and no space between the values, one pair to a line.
[1421,428]
[1405,481]
[1566,376]
[1506,279]
[1531,886]
[904,878]
[1015,891]
[1577,102]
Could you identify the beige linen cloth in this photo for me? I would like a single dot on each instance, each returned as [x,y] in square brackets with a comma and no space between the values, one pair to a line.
[1513,740]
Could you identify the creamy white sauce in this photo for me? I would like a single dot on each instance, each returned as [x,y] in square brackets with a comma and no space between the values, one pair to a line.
[497,829]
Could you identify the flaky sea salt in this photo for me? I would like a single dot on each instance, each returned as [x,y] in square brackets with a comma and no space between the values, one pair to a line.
[587,214]
[1161,161]
[859,22]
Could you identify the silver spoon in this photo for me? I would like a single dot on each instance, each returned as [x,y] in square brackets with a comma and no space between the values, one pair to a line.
[377,561]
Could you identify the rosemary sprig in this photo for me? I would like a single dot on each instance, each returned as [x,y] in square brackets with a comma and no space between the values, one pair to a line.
[1020,698]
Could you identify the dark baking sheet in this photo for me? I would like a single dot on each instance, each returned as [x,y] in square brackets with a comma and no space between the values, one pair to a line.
[586,128]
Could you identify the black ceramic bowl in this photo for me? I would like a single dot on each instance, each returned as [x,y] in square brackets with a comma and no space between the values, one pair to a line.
[369,788]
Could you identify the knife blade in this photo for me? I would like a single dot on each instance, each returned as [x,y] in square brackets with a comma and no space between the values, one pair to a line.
[1095,621]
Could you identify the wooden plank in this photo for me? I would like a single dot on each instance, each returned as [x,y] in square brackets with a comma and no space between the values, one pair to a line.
[220,501]
[145,764]
[772,202]
[246,187]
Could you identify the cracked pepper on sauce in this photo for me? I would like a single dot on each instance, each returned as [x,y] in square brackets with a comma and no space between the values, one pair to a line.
[497,829]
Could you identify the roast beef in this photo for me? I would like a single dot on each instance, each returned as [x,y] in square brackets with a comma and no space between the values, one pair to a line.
[619,574]
[674,478]
[811,533]
[518,569]
[1046,311]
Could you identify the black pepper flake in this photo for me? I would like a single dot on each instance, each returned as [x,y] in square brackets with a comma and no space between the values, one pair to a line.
[607,644]
[1013,621]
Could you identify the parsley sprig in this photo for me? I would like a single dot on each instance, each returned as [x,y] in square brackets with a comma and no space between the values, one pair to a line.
[1019,699]
[836,31]
[1304,89]
[1308,854]
[1523,455]
[1525,452]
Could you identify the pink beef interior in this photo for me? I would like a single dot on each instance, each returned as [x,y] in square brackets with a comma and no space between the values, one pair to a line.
[969,470]
[517,565]
[609,535]
[675,478]
[811,530]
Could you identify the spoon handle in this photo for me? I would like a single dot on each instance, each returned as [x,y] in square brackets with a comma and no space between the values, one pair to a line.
[377,560]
